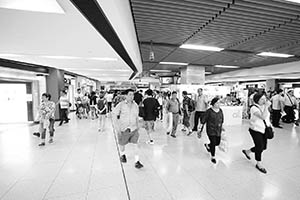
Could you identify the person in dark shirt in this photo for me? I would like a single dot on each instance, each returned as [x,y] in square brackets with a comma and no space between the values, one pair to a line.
[151,110]
[93,104]
[186,112]
[214,119]
[138,97]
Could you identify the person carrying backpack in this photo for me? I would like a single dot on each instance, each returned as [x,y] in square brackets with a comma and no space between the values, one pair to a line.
[188,106]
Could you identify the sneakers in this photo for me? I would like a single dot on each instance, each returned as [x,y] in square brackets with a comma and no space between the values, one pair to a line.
[168,133]
[189,133]
[138,165]
[261,169]
[150,142]
[207,148]
[51,140]
[174,136]
[42,144]
[123,159]
[245,153]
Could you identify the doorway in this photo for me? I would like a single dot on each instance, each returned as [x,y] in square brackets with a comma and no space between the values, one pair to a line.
[13,103]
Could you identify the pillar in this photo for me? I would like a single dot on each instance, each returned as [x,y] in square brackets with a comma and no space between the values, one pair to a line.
[55,84]
[193,74]
[271,85]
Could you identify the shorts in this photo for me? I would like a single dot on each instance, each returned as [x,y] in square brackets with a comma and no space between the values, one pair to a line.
[149,125]
[126,137]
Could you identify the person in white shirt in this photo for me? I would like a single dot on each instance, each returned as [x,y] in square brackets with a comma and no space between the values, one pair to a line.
[260,118]
[290,103]
[277,108]
[201,107]
[64,104]
[109,98]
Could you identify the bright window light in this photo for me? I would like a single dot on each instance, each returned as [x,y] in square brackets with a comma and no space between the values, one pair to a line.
[160,70]
[270,54]
[172,63]
[201,47]
[226,66]
[208,73]
[47,6]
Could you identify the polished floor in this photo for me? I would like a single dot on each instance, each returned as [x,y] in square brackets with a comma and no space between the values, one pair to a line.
[83,164]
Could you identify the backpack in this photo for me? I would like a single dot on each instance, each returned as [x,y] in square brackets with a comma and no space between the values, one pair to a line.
[191,105]
[101,104]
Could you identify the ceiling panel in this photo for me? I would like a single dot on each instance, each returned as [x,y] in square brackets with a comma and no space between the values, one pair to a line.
[243,27]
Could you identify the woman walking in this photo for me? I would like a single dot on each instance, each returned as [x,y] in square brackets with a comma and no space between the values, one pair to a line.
[214,119]
[260,118]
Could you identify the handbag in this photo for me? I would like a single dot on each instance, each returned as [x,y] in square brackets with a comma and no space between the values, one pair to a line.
[269,133]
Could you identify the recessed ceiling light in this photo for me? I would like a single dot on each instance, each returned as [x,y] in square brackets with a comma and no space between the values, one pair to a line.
[270,54]
[47,6]
[160,70]
[10,55]
[104,59]
[61,57]
[208,73]
[201,47]
[295,1]
[172,63]
[226,66]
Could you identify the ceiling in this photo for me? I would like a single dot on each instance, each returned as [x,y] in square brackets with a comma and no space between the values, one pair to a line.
[243,28]
[65,40]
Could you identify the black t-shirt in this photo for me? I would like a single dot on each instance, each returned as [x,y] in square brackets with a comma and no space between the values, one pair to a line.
[151,107]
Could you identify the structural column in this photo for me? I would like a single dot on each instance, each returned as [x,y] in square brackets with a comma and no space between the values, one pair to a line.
[55,84]
[193,74]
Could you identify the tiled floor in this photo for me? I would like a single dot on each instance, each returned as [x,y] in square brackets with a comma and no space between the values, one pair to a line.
[83,164]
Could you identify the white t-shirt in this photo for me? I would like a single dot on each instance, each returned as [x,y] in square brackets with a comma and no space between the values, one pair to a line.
[109,97]
[256,123]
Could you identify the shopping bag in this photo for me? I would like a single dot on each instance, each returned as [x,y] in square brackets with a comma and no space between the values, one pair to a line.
[224,142]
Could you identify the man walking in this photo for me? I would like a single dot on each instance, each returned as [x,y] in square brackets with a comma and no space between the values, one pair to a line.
[277,108]
[173,106]
[186,109]
[125,117]
[201,107]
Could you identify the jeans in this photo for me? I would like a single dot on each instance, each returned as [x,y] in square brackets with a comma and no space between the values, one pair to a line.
[175,123]
[51,129]
[186,119]
[63,115]
[198,115]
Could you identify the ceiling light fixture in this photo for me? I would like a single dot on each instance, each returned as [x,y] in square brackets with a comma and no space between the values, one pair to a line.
[279,55]
[200,47]
[104,59]
[61,57]
[46,6]
[10,55]
[226,66]
[208,73]
[160,70]
[172,63]
[295,1]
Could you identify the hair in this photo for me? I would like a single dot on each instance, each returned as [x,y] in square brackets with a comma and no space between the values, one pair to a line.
[200,89]
[279,91]
[184,93]
[214,101]
[127,91]
[47,95]
[149,92]
[174,92]
[78,89]
[257,97]
[63,91]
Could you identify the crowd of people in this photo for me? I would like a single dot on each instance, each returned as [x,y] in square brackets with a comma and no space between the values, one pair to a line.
[127,108]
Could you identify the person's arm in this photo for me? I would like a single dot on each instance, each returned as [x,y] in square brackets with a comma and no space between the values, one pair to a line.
[260,114]
[115,113]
